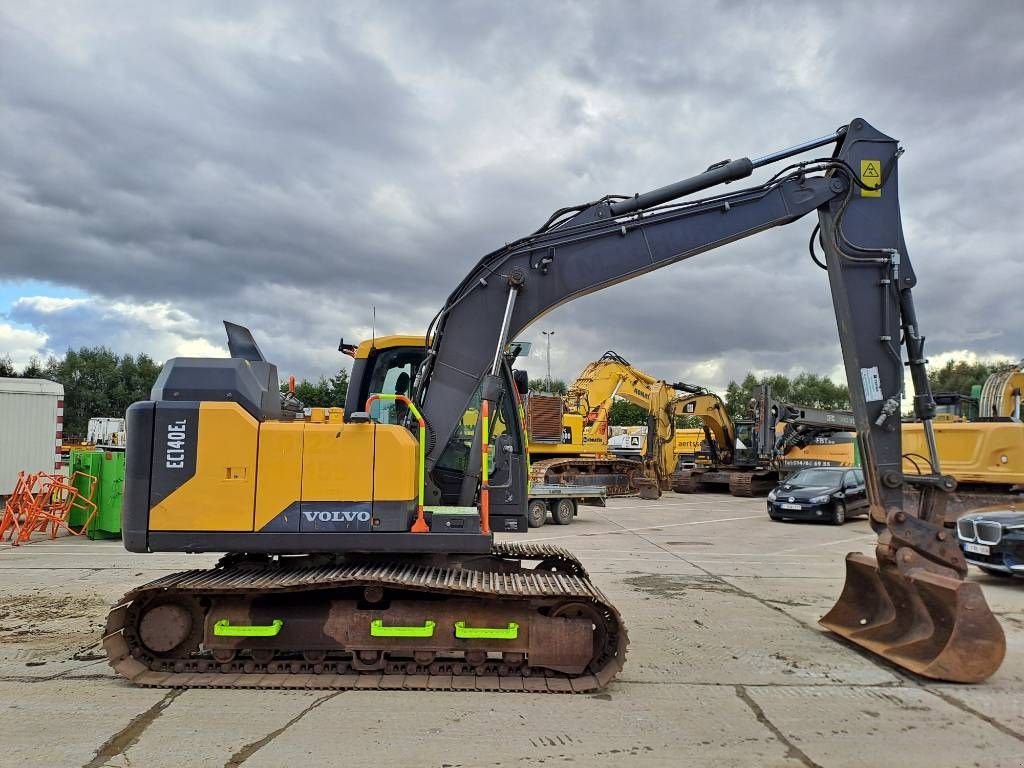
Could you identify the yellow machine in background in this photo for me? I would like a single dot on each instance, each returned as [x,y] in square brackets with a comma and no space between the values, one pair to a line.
[748,456]
[569,435]
[838,449]
[983,452]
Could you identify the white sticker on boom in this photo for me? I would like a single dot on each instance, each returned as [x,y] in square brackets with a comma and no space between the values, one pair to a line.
[872,384]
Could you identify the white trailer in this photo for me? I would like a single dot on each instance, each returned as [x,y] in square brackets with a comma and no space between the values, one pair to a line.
[106,432]
[31,428]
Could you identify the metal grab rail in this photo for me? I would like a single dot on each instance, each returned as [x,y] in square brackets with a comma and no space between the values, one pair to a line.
[485,483]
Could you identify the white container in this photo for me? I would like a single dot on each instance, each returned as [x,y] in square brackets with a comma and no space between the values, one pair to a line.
[31,428]
[106,431]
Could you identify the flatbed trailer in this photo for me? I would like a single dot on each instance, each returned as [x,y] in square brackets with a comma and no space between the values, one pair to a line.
[562,501]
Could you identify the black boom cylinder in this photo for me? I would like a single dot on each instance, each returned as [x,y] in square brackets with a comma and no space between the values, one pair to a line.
[721,173]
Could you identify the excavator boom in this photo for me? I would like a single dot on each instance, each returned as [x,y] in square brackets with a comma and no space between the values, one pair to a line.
[908,606]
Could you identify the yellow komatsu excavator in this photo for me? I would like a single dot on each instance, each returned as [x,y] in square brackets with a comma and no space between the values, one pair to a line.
[360,550]
[568,435]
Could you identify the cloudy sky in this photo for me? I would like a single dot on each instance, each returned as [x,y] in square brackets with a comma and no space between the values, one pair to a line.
[290,167]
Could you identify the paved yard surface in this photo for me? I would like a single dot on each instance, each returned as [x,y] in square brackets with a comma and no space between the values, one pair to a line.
[726,667]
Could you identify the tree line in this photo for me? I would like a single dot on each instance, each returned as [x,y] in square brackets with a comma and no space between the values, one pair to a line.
[99,382]
[807,389]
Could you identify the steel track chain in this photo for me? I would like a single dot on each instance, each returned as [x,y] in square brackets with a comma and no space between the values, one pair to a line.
[568,580]
[539,472]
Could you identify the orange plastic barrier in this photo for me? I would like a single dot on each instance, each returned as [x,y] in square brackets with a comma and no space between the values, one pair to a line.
[43,502]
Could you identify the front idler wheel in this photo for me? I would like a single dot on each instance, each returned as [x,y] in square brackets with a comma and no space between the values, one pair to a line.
[171,628]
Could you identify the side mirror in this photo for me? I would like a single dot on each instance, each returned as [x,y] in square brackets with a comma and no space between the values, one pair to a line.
[522,381]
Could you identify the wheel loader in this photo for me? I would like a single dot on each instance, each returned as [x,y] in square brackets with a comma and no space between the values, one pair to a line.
[362,554]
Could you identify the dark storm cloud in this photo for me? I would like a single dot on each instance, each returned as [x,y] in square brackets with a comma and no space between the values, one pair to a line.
[293,167]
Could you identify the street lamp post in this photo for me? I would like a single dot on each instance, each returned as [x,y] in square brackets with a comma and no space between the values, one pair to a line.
[548,335]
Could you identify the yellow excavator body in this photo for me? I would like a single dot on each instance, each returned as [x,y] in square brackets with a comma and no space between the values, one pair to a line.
[688,442]
[983,452]
[251,476]
[987,451]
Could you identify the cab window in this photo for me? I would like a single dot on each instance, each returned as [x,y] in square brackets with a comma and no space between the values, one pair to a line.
[744,435]
[393,374]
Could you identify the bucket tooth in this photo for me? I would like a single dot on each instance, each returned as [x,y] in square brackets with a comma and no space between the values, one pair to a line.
[933,625]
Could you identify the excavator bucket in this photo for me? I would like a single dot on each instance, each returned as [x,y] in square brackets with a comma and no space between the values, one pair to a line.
[932,625]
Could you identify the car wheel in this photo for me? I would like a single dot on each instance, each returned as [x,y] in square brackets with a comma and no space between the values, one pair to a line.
[563,511]
[537,514]
[994,572]
[838,513]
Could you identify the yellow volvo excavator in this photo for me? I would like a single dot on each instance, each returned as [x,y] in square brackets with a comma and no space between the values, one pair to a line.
[362,554]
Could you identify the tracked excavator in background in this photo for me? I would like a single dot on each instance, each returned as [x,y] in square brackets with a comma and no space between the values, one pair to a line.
[568,435]
[362,554]
[747,456]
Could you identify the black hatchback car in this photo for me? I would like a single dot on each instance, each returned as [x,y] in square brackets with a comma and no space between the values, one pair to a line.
[993,540]
[829,494]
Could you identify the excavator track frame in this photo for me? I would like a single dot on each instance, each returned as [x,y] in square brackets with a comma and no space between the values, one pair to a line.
[558,585]
[577,470]
[744,484]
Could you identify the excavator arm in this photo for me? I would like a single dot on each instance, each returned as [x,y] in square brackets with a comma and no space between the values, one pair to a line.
[912,605]
[711,410]
[802,423]
[602,380]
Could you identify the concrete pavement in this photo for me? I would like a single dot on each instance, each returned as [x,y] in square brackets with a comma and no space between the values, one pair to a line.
[726,667]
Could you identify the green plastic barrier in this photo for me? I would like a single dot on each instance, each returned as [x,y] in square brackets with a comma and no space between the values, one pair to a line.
[377,629]
[473,633]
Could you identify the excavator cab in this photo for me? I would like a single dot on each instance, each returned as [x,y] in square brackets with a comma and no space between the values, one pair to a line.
[745,451]
[382,363]
[953,406]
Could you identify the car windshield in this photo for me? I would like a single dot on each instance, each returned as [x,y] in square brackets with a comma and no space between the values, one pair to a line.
[812,477]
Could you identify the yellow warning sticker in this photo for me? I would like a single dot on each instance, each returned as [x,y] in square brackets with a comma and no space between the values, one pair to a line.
[871,176]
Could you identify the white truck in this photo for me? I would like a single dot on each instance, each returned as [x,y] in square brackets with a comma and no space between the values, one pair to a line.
[31,428]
